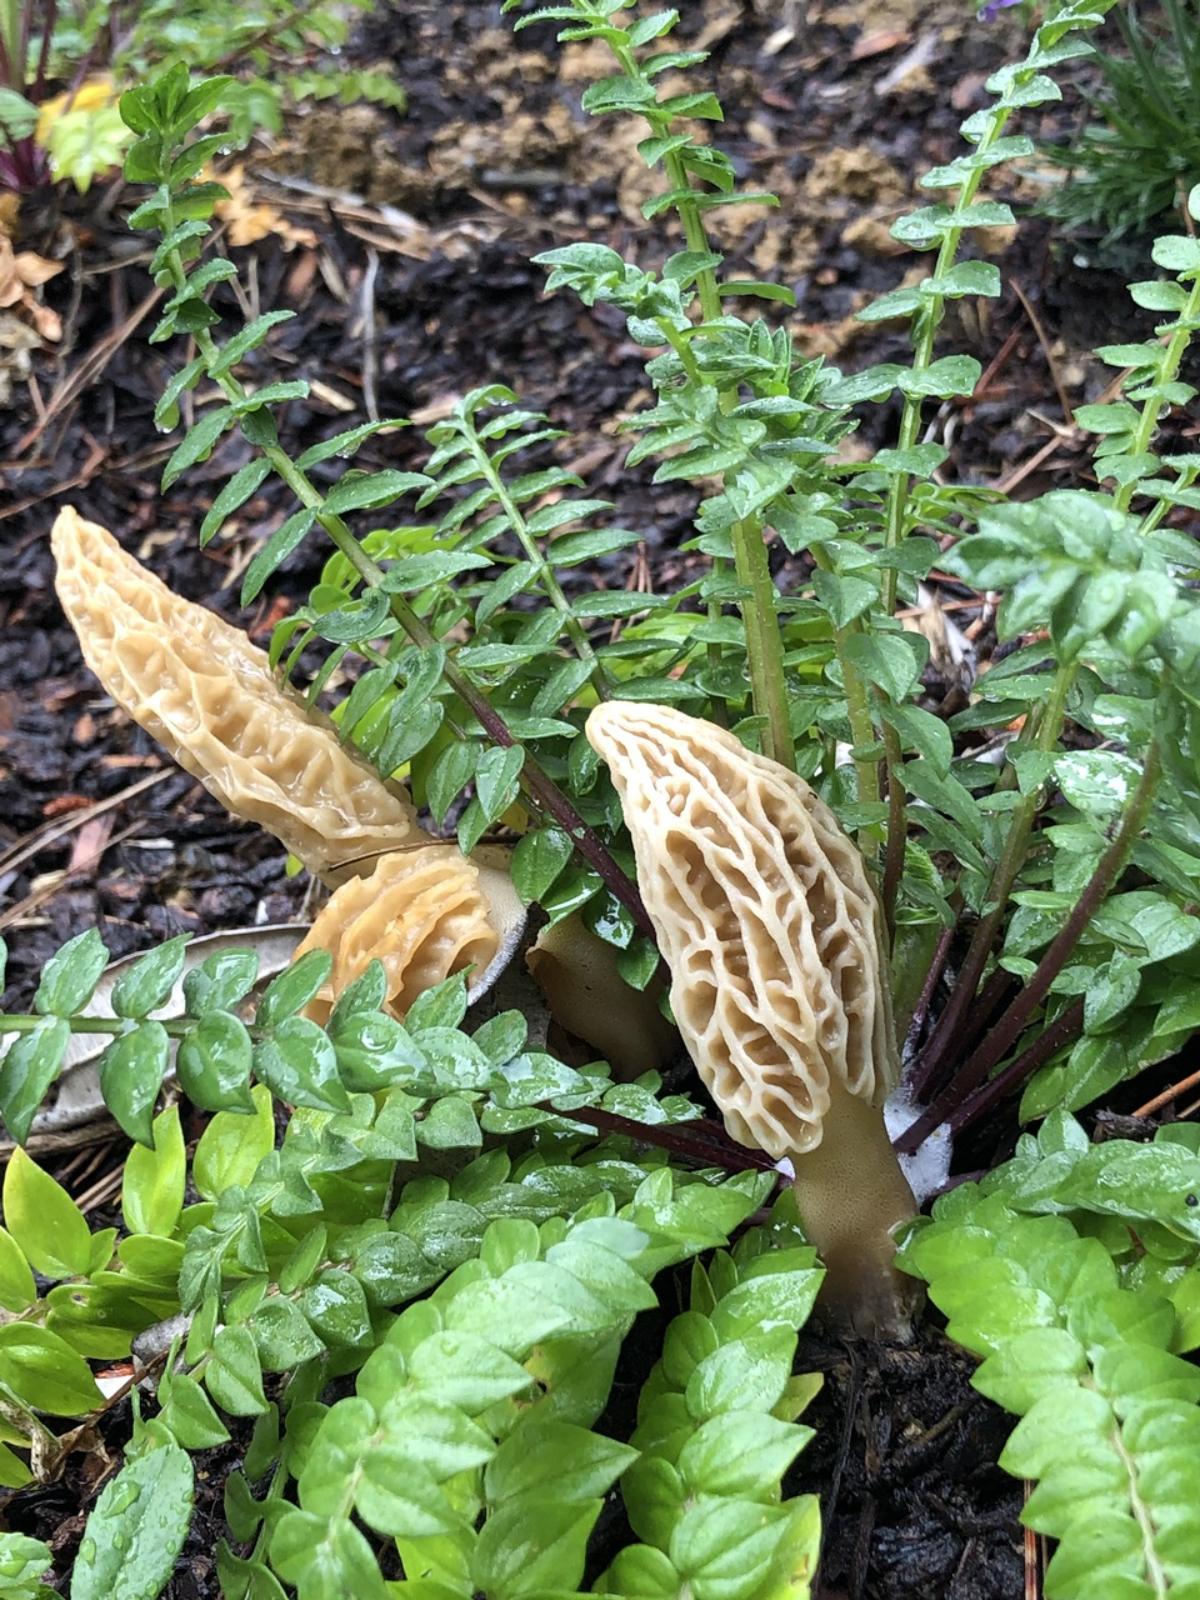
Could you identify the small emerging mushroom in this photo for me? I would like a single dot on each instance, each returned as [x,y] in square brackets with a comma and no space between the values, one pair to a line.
[425,914]
[767,920]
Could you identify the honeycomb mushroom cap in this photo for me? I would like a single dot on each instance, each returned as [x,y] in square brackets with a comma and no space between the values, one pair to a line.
[210,698]
[423,914]
[766,918]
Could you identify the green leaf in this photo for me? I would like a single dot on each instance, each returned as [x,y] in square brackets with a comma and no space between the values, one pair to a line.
[449,776]
[17,1288]
[741,1454]
[538,859]
[369,491]
[145,985]
[336,1306]
[496,779]
[555,1460]
[298,1064]
[283,1337]
[189,1414]
[47,1225]
[247,339]
[28,1068]
[197,444]
[220,981]
[233,1375]
[508,1562]
[70,975]
[131,1070]
[232,1146]
[153,1182]
[244,483]
[275,552]
[136,1529]
[213,1063]
[295,986]
[45,1372]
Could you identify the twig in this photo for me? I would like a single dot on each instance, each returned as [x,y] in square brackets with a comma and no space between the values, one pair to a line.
[1166,1097]
[1059,390]
[35,843]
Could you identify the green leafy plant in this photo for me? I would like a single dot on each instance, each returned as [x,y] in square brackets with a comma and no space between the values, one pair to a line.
[456,1176]
[1072,1271]
[1138,157]
[430,1276]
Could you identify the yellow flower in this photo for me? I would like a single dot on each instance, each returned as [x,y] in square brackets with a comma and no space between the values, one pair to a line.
[93,94]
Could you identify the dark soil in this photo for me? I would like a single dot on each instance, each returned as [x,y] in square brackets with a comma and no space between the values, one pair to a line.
[424,226]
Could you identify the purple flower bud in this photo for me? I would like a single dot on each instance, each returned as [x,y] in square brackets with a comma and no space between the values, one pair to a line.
[992,9]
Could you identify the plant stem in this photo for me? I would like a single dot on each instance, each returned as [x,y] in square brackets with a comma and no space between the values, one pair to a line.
[764,642]
[545,572]
[28,1022]
[1005,875]
[897,828]
[926,323]
[1062,1031]
[1167,373]
[1014,1021]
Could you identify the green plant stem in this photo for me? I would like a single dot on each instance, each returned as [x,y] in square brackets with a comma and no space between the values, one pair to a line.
[545,572]
[897,828]
[1007,869]
[925,327]
[29,1022]
[764,641]
[1167,372]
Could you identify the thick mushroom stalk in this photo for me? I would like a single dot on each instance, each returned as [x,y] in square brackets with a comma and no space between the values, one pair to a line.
[768,922]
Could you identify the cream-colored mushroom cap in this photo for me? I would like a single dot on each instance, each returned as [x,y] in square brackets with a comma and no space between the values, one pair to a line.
[210,698]
[765,916]
[425,914]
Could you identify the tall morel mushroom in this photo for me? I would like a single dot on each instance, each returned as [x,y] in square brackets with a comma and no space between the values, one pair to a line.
[209,697]
[767,920]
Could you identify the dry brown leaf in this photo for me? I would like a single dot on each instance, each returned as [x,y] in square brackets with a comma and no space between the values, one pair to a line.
[247,220]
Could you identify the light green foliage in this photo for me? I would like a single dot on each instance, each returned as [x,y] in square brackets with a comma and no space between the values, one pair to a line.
[265,41]
[1072,1271]
[136,1529]
[717,1431]
[23,1562]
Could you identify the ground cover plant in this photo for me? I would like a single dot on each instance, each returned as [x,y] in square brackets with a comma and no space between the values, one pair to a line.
[427,1275]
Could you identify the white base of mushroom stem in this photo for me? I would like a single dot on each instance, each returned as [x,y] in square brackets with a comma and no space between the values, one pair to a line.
[852,1193]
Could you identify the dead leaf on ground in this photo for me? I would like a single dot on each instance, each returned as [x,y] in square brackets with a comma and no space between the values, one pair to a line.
[247,219]
[21,272]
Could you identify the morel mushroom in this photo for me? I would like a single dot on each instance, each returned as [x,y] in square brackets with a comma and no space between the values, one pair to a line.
[767,920]
[210,698]
[425,914]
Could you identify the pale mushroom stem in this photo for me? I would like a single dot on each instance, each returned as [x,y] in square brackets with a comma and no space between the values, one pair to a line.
[852,1194]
